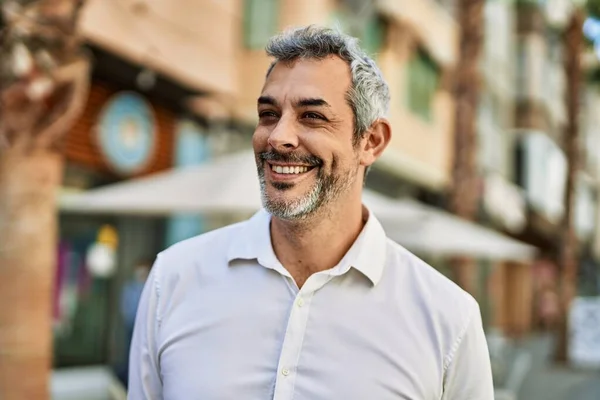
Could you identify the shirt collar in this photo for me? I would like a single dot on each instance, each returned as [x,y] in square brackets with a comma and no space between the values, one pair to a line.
[368,252]
[253,241]
[367,255]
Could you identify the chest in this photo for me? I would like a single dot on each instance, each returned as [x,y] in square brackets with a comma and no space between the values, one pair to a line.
[283,345]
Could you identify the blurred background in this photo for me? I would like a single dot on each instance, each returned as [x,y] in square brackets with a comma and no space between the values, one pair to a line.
[493,170]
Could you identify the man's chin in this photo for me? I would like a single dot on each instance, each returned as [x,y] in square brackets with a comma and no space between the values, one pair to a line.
[284,207]
[285,213]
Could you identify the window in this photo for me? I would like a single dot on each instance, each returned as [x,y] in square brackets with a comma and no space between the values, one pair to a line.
[260,22]
[374,36]
[492,139]
[521,71]
[423,80]
[371,32]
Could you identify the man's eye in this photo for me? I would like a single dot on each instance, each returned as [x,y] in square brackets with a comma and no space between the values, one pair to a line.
[267,114]
[312,115]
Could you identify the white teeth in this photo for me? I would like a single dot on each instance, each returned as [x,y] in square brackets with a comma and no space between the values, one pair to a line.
[289,170]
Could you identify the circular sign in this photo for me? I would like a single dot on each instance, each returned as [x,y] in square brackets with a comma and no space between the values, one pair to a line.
[127,132]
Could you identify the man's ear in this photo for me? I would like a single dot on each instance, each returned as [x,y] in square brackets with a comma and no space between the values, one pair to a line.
[375,141]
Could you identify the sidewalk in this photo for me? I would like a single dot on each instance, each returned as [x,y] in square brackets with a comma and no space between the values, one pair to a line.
[546,381]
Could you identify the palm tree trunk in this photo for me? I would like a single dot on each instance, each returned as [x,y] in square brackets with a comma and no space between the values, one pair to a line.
[573,46]
[464,195]
[43,87]
[28,184]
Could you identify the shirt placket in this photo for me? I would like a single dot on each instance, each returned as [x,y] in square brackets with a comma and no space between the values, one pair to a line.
[294,337]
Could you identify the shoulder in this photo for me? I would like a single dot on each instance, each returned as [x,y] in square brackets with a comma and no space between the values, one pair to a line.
[440,302]
[428,279]
[209,248]
[217,241]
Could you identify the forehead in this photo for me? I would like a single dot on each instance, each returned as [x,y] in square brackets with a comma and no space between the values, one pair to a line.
[328,79]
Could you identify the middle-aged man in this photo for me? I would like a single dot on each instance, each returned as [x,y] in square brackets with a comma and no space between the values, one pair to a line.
[308,300]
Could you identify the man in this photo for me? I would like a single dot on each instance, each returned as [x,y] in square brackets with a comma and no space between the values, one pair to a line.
[308,300]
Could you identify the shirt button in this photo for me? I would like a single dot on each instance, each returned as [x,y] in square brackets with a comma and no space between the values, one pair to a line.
[300,302]
[285,372]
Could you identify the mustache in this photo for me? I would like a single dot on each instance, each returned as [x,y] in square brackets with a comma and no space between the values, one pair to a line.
[290,158]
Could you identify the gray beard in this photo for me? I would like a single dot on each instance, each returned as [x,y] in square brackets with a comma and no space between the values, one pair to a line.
[324,191]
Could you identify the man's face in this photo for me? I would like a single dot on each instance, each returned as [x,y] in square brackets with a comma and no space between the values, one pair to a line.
[303,141]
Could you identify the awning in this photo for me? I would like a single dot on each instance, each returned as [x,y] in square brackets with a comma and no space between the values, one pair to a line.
[229,184]
[443,234]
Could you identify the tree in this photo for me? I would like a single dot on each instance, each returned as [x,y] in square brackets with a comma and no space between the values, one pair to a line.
[464,194]
[568,259]
[44,78]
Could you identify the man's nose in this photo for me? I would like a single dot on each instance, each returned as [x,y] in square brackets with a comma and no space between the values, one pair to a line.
[285,135]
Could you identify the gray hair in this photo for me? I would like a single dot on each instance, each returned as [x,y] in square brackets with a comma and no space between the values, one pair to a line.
[369,95]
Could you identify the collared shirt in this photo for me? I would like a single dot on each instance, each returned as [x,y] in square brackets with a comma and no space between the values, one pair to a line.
[221,318]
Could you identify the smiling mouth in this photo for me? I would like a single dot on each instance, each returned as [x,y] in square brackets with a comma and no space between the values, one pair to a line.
[290,169]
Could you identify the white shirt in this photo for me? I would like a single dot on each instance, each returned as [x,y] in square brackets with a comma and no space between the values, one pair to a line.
[221,318]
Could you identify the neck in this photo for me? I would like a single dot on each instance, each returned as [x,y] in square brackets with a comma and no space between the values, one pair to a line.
[320,241]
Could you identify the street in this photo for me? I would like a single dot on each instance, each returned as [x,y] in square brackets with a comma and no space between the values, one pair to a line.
[547,381]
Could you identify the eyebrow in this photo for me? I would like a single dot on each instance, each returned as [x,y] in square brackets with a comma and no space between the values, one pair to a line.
[315,102]
[311,102]
[268,100]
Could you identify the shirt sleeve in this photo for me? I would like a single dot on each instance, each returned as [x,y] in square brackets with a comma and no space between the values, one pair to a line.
[145,381]
[469,373]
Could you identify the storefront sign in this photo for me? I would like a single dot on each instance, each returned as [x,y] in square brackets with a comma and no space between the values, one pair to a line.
[127,132]
[584,332]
